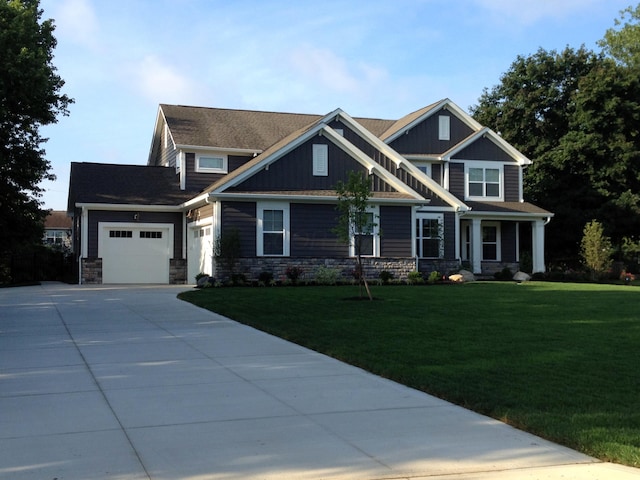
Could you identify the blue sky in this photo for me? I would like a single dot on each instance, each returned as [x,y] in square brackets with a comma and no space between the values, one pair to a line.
[372,58]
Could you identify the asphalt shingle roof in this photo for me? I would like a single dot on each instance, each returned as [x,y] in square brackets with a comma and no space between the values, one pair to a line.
[124,184]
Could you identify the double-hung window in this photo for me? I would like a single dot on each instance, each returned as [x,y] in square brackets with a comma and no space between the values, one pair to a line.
[273,229]
[430,236]
[364,234]
[491,241]
[484,183]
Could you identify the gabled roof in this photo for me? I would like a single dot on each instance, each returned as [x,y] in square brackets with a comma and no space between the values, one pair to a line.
[414,118]
[492,136]
[58,219]
[240,129]
[124,184]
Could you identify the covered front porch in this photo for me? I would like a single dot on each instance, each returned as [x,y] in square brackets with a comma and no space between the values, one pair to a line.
[488,243]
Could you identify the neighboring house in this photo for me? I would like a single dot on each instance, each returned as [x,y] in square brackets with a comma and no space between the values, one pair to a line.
[446,193]
[57,229]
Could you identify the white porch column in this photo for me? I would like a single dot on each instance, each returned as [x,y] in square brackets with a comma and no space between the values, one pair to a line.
[476,245]
[537,232]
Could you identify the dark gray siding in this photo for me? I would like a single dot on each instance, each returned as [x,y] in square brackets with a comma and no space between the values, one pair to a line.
[241,215]
[423,138]
[311,231]
[196,182]
[508,241]
[449,236]
[484,149]
[456,179]
[511,183]
[436,173]
[396,231]
[294,171]
[96,216]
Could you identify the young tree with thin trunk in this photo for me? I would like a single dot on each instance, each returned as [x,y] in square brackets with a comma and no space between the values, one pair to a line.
[356,222]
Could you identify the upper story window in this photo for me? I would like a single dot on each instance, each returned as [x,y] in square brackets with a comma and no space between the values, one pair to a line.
[444,127]
[320,160]
[484,182]
[211,163]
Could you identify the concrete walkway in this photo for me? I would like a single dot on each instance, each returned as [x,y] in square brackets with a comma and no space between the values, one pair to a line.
[106,382]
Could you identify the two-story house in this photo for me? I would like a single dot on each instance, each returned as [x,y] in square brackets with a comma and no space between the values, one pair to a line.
[446,192]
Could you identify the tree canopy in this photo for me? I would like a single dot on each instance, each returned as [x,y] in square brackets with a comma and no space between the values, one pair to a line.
[575,113]
[30,97]
[623,41]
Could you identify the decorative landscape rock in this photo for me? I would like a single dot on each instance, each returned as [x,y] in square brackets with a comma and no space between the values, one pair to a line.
[521,277]
[206,282]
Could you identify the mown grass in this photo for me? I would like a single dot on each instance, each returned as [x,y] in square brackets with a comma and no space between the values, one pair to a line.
[559,360]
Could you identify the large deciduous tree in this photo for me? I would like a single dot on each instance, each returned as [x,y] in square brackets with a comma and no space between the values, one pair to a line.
[622,42]
[576,115]
[30,97]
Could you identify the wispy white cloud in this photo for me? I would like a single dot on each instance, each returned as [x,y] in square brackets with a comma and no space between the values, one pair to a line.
[161,82]
[77,21]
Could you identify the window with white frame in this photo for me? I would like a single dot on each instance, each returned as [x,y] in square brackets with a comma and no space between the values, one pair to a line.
[444,127]
[484,182]
[430,235]
[365,238]
[320,160]
[273,229]
[491,241]
[211,163]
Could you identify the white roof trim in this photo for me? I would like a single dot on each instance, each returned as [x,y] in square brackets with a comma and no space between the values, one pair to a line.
[218,149]
[492,136]
[443,104]
[128,207]
[312,198]
[402,162]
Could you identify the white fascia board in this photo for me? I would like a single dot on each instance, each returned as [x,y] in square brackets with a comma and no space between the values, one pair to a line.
[313,198]
[367,162]
[493,137]
[196,202]
[127,207]
[202,148]
[515,216]
[400,161]
[159,116]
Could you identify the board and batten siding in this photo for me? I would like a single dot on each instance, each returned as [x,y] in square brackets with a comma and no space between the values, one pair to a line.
[242,216]
[396,231]
[423,138]
[196,181]
[484,149]
[312,231]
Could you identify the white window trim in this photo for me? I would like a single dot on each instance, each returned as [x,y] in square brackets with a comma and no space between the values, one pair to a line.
[320,160]
[498,241]
[261,207]
[426,166]
[431,216]
[484,165]
[444,127]
[179,160]
[225,163]
[375,209]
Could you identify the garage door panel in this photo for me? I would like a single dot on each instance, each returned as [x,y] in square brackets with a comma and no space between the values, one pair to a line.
[138,254]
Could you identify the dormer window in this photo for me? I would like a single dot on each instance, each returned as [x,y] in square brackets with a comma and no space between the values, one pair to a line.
[211,163]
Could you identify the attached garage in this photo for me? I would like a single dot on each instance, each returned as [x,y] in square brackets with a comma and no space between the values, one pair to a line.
[135,253]
[200,253]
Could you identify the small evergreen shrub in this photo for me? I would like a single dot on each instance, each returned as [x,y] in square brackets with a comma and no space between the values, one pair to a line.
[327,275]
[434,277]
[265,277]
[386,276]
[293,273]
[415,278]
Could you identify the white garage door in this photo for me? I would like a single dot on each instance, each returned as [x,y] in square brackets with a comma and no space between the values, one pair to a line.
[200,252]
[135,254]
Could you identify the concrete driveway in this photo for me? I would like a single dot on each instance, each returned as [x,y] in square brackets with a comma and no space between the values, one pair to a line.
[110,382]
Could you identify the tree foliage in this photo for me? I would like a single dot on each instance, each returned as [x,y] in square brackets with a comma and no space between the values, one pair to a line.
[595,249]
[575,114]
[622,42]
[354,222]
[29,98]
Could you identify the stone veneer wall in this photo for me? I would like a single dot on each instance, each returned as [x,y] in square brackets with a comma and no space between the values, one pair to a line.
[253,267]
[91,270]
[445,267]
[177,271]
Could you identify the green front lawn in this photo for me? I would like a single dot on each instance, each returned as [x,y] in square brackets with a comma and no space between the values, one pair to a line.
[559,360]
